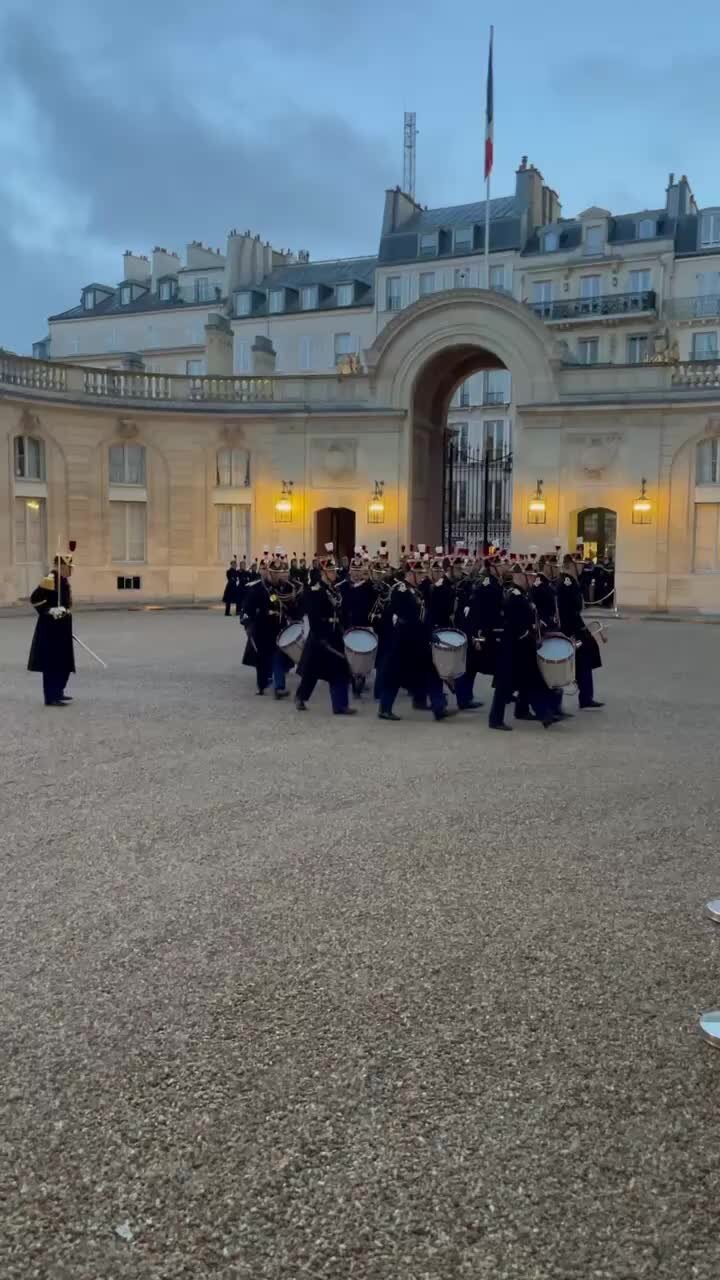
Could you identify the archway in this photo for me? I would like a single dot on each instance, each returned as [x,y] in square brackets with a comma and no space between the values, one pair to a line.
[336,525]
[424,354]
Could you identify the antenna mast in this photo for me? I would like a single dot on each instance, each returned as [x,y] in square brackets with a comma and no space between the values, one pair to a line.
[409,145]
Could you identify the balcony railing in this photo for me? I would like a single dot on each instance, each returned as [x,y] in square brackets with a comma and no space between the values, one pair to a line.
[699,375]
[694,308]
[123,384]
[611,304]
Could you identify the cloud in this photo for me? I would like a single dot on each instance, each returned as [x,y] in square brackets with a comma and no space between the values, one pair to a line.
[105,147]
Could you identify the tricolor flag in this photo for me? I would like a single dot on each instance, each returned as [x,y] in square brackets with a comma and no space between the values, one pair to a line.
[489,113]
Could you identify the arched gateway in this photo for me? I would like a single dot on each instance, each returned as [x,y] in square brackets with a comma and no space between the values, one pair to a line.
[423,355]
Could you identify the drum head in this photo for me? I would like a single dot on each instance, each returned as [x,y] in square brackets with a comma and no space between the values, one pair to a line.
[449,638]
[556,648]
[291,634]
[360,640]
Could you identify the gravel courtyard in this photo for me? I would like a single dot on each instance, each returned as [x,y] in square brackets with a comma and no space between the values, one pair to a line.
[299,997]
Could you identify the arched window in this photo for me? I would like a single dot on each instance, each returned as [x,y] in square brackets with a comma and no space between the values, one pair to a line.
[29,458]
[233,469]
[706,558]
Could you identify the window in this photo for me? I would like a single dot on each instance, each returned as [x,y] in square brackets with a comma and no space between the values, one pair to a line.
[589,288]
[309,297]
[242,356]
[707,537]
[497,279]
[30,533]
[41,350]
[550,241]
[393,293]
[202,289]
[233,532]
[705,346]
[345,295]
[497,387]
[233,468]
[125,295]
[542,292]
[639,281]
[647,229]
[305,353]
[428,244]
[89,299]
[194,368]
[460,435]
[277,300]
[463,240]
[127,464]
[464,395]
[427,283]
[243,304]
[707,462]
[493,435]
[29,458]
[344,346]
[588,350]
[128,532]
[167,291]
[637,348]
[594,239]
[709,230]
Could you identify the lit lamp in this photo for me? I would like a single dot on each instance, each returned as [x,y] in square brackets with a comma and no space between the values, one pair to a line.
[283,506]
[376,505]
[537,511]
[642,506]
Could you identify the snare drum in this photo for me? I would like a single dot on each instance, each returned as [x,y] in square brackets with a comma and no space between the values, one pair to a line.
[556,660]
[449,653]
[360,650]
[291,641]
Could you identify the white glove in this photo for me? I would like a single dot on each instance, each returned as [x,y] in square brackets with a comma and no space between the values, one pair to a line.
[58,612]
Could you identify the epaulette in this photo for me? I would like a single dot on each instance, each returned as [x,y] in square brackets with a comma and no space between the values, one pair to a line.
[316,586]
[567,582]
[515,591]
[400,586]
[48,583]
[485,582]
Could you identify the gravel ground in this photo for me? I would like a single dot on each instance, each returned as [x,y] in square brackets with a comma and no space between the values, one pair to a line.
[298,997]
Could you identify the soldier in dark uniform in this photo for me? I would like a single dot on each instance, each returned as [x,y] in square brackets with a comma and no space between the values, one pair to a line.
[269,606]
[408,658]
[323,656]
[480,617]
[587,653]
[358,596]
[242,578]
[51,651]
[230,592]
[517,667]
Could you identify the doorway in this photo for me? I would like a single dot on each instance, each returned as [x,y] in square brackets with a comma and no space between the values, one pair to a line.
[30,544]
[597,526]
[336,525]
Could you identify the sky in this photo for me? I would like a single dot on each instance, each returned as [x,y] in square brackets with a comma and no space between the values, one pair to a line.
[153,122]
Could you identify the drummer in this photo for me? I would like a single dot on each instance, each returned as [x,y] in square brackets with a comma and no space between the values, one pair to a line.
[358,596]
[269,606]
[408,657]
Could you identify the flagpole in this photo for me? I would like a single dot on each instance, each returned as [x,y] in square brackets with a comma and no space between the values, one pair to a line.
[489,130]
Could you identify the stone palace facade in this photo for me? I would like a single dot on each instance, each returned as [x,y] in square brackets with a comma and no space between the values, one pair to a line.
[254,398]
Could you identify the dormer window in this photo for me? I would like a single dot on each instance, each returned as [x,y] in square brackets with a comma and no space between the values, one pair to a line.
[710,231]
[243,303]
[167,290]
[647,229]
[464,240]
[428,244]
[345,295]
[550,242]
[277,301]
[125,295]
[202,289]
[594,239]
[309,297]
[88,299]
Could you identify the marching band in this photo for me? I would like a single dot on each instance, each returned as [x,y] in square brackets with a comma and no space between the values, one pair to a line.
[429,625]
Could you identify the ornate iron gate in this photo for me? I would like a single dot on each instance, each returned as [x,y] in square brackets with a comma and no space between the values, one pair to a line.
[477,494]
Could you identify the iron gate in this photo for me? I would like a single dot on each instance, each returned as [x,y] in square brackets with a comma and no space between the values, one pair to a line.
[477,494]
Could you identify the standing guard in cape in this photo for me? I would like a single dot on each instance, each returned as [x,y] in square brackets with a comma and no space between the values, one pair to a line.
[517,667]
[230,592]
[408,657]
[269,606]
[587,653]
[52,651]
[323,656]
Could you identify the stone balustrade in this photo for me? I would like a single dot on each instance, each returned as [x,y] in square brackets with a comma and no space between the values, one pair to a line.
[697,375]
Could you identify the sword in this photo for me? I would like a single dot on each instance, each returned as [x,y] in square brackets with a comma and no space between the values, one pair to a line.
[89,650]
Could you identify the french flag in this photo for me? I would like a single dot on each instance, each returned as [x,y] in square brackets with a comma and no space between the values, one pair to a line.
[489,121]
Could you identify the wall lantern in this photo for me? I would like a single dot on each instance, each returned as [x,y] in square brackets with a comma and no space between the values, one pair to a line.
[284,506]
[537,511]
[376,505]
[642,506]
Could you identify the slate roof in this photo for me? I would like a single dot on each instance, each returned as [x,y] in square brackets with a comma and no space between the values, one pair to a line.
[461,215]
[331,273]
